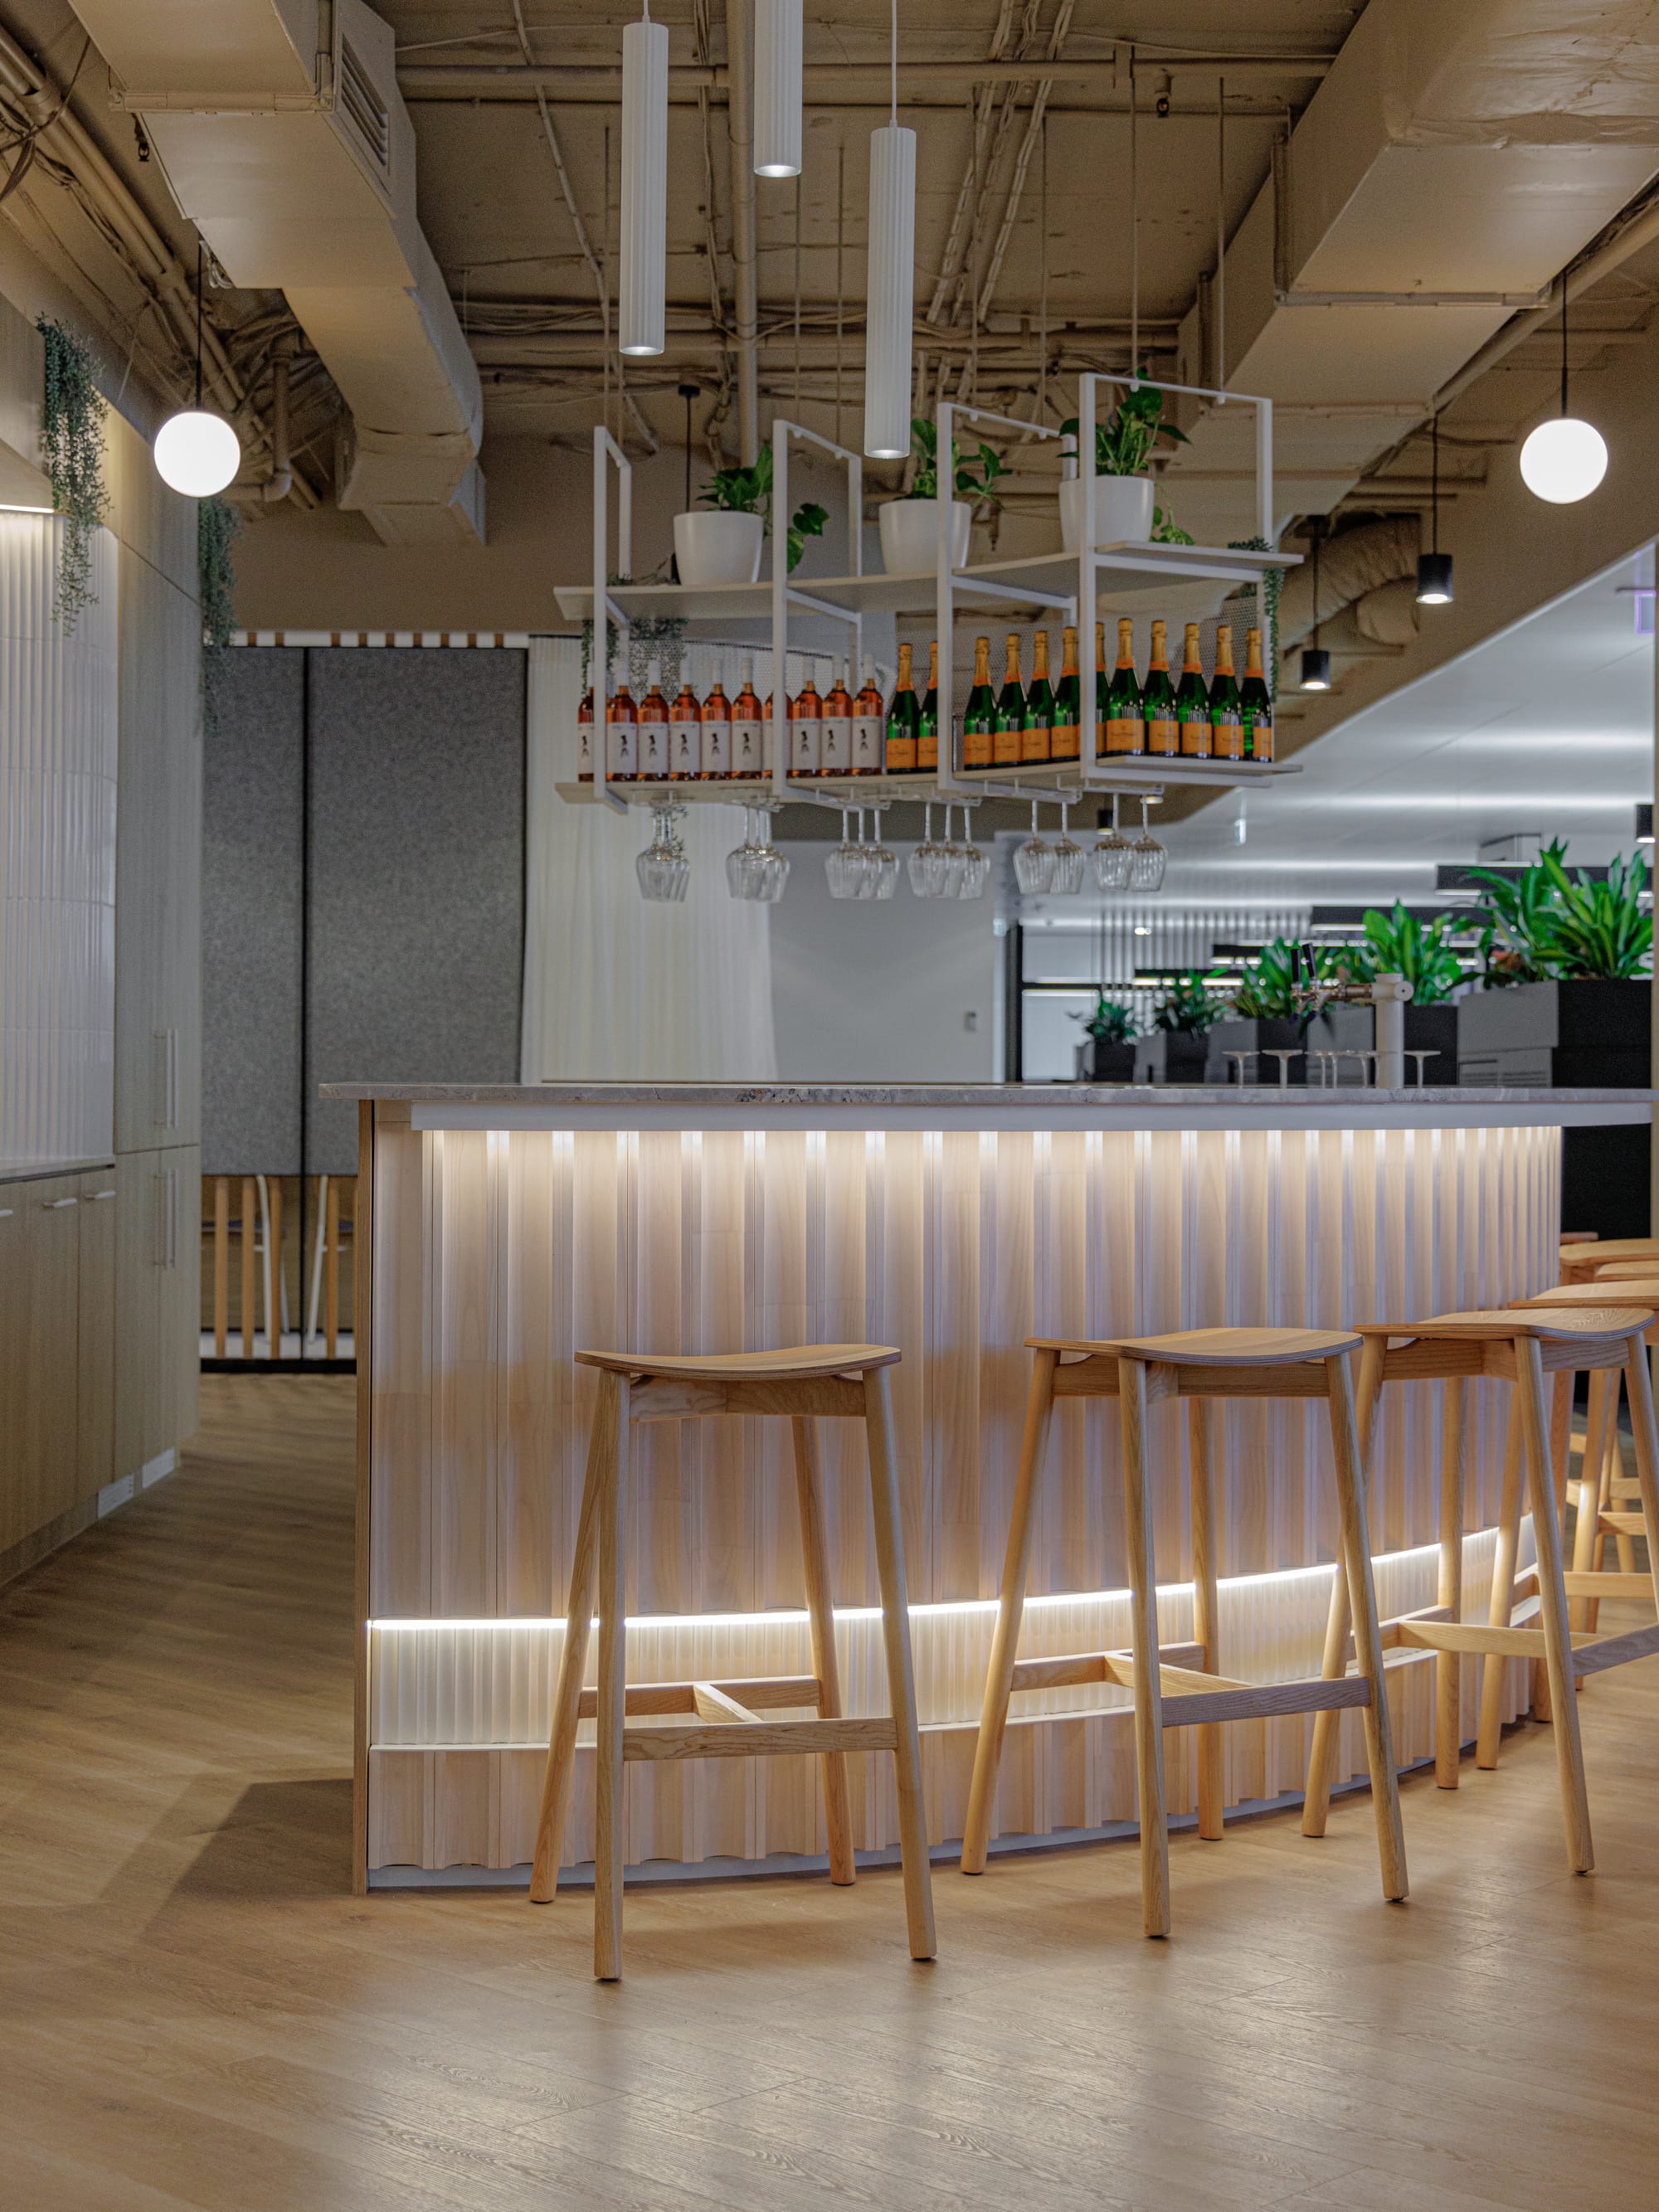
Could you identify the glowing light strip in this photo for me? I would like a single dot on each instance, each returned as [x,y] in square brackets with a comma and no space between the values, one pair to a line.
[959,1606]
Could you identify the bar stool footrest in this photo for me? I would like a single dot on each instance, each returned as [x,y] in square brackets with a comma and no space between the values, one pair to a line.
[736,1739]
[1067,1671]
[1598,1653]
[768,1692]
[1608,1583]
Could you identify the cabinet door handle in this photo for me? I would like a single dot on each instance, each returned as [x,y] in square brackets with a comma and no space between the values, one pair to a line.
[53,1204]
[98,1196]
[6,1212]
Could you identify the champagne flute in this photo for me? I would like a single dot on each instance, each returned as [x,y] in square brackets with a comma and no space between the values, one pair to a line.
[884,863]
[926,866]
[844,867]
[1112,855]
[1069,857]
[663,869]
[1147,858]
[975,865]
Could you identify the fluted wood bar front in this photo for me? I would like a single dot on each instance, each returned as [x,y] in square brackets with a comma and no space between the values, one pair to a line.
[501,1229]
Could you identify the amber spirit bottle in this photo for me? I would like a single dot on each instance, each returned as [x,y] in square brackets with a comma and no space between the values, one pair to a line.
[868,719]
[685,736]
[1065,737]
[1255,702]
[928,727]
[836,730]
[903,720]
[1192,704]
[1126,728]
[1038,739]
[622,736]
[979,719]
[654,728]
[1158,698]
[1008,745]
[1226,715]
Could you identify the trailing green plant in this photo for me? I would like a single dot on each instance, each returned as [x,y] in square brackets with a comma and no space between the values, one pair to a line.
[1268,992]
[749,491]
[218,525]
[1189,1008]
[661,637]
[1272,584]
[1596,929]
[1166,531]
[974,479]
[1109,1023]
[1124,442]
[72,436]
[1513,911]
[1397,944]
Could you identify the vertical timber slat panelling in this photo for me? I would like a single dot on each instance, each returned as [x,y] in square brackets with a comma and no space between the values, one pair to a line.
[497,1256]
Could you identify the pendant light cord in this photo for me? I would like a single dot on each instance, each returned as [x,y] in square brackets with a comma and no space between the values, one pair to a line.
[1221,233]
[1563,340]
[198,326]
[1135,230]
[1434,485]
[893,116]
[1318,534]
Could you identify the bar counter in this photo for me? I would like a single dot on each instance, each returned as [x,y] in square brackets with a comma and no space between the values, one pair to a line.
[501,1228]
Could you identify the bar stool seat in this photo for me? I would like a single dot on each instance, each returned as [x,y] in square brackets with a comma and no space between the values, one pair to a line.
[1198,1365]
[804,1384]
[1518,1345]
[1582,1263]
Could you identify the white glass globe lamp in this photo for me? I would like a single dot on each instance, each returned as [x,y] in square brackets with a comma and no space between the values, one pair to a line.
[1563,461]
[196,453]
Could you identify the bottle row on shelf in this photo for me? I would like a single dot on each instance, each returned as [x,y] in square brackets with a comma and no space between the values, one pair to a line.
[836,735]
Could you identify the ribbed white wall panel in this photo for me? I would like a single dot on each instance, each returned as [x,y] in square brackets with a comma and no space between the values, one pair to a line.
[58,759]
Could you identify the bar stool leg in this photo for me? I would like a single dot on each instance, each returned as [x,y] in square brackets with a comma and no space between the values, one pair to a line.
[1503,1593]
[1553,1605]
[611,1504]
[815,1564]
[900,1681]
[1149,1699]
[1206,1613]
[1327,1727]
[1004,1645]
[1449,1665]
[221,1264]
[1368,1643]
[1592,1477]
[572,1658]
[1639,1388]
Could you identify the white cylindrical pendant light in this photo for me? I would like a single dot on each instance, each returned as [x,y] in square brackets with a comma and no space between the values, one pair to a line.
[777,87]
[891,283]
[642,310]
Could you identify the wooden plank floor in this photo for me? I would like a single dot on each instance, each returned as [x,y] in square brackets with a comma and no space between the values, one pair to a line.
[195,2012]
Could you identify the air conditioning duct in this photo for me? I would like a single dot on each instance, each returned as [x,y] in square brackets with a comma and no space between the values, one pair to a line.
[282,133]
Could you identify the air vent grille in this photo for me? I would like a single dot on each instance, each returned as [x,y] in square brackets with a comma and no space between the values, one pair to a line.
[361,103]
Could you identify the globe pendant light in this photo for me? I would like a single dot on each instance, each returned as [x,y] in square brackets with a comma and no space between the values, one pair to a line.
[1315,661]
[1564,459]
[777,87]
[643,309]
[890,308]
[196,453]
[1434,568]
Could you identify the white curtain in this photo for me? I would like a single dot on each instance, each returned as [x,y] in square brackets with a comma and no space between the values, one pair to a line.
[615,988]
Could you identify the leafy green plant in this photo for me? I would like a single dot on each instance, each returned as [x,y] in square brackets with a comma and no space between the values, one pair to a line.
[72,437]
[1166,531]
[1124,442]
[975,479]
[1513,911]
[1594,929]
[1109,1023]
[218,525]
[1268,991]
[1397,944]
[1189,1008]
[749,491]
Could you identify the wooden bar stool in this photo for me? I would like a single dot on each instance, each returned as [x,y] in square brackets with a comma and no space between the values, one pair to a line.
[1519,1346]
[1584,1262]
[805,1383]
[1198,1365]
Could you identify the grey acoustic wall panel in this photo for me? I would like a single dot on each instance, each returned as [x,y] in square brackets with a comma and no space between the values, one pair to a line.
[251,918]
[416,874]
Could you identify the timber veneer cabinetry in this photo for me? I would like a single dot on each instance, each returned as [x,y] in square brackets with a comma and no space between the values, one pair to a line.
[157,1303]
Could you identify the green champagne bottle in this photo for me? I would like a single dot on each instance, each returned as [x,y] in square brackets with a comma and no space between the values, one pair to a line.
[1192,704]
[903,720]
[1125,726]
[1039,706]
[979,720]
[1158,699]
[927,728]
[1008,747]
[1255,702]
[1226,716]
[1066,738]
[1102,685]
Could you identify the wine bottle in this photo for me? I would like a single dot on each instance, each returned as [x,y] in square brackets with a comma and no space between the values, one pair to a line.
[1125,726]
[745,753]
[716,737]
[904,716]
[1008,745]
[685,736]
[1255,702]
[654,728]
[928,727]
[805,729]
[1158,699]
[1227,718]
[867,720]
[1192,705]
[1103,687]
[585,738]
[1038,739]
[622,736]
[1065,737]
[979,719]
[836,730]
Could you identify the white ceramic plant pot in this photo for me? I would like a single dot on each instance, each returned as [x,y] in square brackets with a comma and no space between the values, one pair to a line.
[1123,511]
[910,535]
[715,547]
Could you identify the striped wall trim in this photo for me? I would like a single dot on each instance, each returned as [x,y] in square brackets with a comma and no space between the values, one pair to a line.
[519,639]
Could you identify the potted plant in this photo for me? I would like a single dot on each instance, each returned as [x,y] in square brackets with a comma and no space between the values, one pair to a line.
[723,545]
[1178,1049]
[1108,1052]
[1267,1017]
[1398,944]
[909,525]
[1125,508]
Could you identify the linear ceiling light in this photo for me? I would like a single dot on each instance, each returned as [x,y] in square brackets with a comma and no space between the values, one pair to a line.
[197,452]
[642,315]
[890,308]
[1564,459]
[777,87]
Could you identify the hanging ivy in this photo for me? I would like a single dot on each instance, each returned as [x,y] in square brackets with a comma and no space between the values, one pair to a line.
[650,637]
[1272,583]
[72,435]
[218,525]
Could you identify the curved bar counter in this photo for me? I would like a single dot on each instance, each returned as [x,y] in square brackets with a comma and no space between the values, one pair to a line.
[500,1228]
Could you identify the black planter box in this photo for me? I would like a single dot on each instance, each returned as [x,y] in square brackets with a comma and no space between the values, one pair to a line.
[1171,1056]
[1099,1062]
[1339,1029]
[1432,1029]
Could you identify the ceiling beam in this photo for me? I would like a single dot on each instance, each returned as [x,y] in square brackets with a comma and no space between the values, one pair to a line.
[603,81]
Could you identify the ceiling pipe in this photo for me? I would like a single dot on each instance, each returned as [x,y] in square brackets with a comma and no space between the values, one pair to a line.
[278,485]
[740,133]
[686,79]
